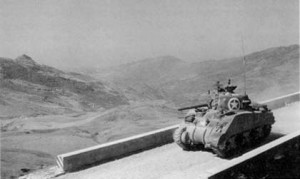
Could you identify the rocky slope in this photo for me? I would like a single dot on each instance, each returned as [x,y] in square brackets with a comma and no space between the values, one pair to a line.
[45,112]
[30,89]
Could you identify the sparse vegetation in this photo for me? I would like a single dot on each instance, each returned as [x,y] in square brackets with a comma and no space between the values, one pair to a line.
[45,112]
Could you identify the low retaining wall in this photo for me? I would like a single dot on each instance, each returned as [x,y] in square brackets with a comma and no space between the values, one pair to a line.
[113,150]
[109,151]
[282,101]
[262,161]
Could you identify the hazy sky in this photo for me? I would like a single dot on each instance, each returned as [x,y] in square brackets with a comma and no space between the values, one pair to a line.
[97,32]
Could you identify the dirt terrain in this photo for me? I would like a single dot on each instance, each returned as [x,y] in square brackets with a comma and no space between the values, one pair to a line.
[45,111]
[32,143]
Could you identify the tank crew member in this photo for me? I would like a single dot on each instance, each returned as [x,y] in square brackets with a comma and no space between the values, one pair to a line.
[230,88]
[219,87]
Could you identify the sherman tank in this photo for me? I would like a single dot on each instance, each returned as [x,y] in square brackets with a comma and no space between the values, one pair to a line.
[227,124]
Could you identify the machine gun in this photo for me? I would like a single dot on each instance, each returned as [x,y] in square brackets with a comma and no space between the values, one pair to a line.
[193,107]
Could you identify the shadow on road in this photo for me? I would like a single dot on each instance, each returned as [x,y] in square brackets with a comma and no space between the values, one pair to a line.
[273,136]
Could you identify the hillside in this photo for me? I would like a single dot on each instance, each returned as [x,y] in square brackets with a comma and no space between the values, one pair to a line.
[270,73]
[45,111]
[30,89]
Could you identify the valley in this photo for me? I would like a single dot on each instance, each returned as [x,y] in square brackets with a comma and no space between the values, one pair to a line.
[45,111]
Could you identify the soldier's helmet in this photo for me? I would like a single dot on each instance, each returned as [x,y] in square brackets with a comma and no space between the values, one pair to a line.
[230,88]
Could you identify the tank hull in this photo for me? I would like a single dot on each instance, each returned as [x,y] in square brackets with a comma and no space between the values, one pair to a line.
[227,132]
[228,123]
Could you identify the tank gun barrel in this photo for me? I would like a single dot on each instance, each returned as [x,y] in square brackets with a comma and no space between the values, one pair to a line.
[193,107]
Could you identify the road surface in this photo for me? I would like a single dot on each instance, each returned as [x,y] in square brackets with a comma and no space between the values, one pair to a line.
[169,161]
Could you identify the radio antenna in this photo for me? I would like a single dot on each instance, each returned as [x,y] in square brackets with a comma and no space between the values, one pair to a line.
[244,66]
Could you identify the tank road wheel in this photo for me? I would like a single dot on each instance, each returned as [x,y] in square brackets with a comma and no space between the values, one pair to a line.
[260,133]
[241,142]
[181,138]
[222,152]
[227,148]
[256,135]
[253,136]
[246,137]
[266,130]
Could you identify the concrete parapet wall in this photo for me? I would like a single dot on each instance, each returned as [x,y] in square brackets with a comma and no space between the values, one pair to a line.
[109,151]
[259,159]
[113,150]
[282,101]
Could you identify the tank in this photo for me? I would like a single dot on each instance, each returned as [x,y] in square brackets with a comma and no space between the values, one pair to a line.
[228,124]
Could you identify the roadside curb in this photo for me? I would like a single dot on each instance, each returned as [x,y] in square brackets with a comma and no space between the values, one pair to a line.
[81,159]
[91,156]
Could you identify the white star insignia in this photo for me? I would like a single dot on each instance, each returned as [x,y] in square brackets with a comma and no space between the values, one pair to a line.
[234,104]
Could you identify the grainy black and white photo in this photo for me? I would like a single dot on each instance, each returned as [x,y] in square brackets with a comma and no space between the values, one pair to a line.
[172,89]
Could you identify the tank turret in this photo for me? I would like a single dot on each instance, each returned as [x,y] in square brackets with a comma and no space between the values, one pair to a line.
[229,123]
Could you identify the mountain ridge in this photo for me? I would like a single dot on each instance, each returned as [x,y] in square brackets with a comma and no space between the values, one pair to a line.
[41,85]
[42,107]
[184,83]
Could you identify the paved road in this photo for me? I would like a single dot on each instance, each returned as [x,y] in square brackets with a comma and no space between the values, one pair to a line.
[169,161]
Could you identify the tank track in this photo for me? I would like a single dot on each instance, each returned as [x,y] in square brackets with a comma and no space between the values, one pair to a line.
[239,142]
[180,138]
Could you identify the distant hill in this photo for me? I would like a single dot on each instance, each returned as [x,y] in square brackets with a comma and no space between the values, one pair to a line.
[42,108]
[30,89]
[270,73]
